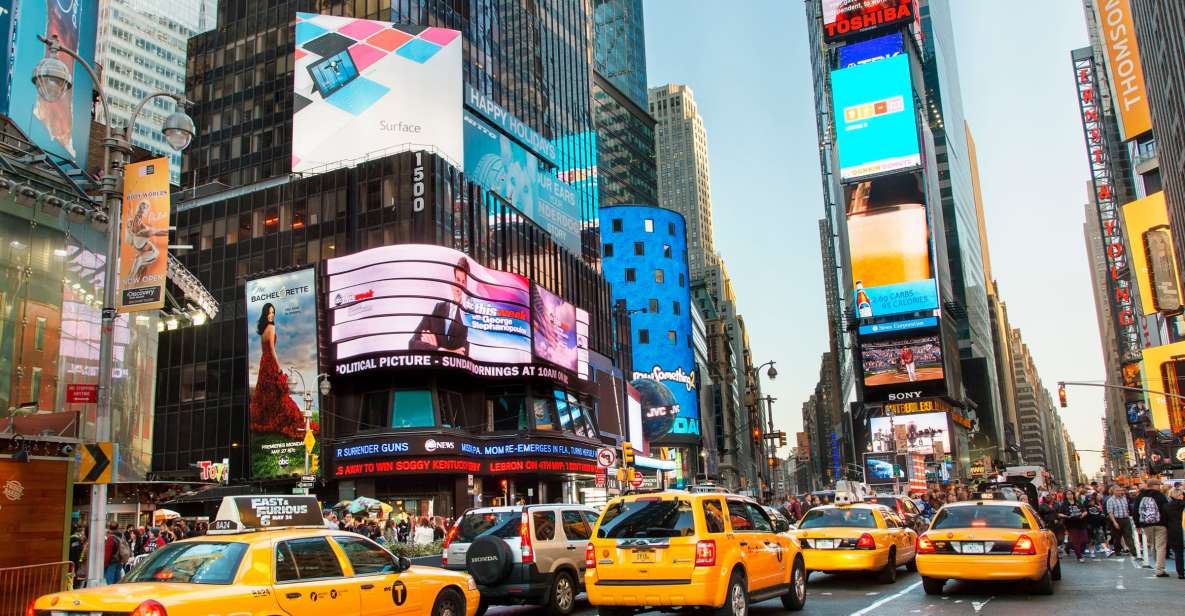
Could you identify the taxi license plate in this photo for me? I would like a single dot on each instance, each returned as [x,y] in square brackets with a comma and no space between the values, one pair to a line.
[824,544]
[972,547]
[643,556]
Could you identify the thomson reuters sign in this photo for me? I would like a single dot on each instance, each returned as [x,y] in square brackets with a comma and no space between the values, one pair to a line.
[844,18]
[1124,67]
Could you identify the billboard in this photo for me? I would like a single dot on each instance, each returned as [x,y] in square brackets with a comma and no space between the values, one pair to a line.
[282,366]
[879,467]
[843,18]
[898,326]
[386,86]
[876,125]
[555,331]
[500,164]
[1164,371]
[873,49]
[144,236]
[1124,67]
[889,245]
[61,128]
[1150,241]
[901,360]
[925,433]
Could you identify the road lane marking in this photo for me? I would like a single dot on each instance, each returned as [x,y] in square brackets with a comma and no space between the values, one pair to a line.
[1119,583]
[978,605]
[871,594]
[887,599]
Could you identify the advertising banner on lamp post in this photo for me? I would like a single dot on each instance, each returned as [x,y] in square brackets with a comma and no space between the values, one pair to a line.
[144,236]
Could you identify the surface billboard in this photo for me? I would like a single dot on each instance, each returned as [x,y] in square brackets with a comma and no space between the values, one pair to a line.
[889,245]
[843,18]
[1124,67]
[554,327]
[62,127]
[902,360]
[924,433]
[879,48]
[283,365]
[876,126]
[1164,371]
[1146,222]
[144,236]
[879,467]
[386,86]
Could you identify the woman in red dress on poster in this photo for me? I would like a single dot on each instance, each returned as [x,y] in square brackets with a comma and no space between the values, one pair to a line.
[272,409]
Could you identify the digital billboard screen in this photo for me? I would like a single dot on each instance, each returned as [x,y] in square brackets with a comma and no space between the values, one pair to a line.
[555,329]
[924,433]
[878,467]
[878,48]
[876,125]
[902,360]
[282,359]
[384,85]
[842,18]
[889,246]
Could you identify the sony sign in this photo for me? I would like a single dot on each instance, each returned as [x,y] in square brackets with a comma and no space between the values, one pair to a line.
[906,395]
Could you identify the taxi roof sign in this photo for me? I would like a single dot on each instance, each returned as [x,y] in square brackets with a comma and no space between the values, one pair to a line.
[263,512]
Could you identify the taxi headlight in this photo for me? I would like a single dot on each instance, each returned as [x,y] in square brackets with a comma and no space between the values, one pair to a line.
[472,584]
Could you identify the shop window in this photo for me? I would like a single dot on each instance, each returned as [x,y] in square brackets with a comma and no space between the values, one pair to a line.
[542,414]
[412,408]
[39,334]
[507,413]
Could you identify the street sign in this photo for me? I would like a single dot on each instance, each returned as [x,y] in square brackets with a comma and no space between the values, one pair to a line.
[599,480]
[96,461]
[637,482]
[82,393]
[606,456]
[309,479]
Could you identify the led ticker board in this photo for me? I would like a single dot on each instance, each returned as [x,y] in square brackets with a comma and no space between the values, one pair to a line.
[871,50]
[876,126]
[397,453]
[844,18]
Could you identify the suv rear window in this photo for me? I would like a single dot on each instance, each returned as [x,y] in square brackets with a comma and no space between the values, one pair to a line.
[981,516]
[647,518]
[838,518]
[501,524]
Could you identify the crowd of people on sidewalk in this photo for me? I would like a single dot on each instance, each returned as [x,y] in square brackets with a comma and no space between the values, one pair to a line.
[396,528]
[122,545]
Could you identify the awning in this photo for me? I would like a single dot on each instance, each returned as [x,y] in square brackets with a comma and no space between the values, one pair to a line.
[214,494]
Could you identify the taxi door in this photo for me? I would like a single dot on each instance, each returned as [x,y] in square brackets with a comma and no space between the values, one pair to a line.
[376,578]
[753,533]
[902,536]
[309,580]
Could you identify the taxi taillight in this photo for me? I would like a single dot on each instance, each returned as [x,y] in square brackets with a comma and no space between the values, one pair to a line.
[1024,545]
[448,538]
[524,536]
[705,553]
[866,542]
[590,556]
[149,608]
[925,546]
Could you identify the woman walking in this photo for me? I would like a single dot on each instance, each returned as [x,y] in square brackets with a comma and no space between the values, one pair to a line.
[1176,537]
[1075,513]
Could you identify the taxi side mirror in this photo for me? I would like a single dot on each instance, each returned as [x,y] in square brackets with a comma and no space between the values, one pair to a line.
[403,564]
[781,526]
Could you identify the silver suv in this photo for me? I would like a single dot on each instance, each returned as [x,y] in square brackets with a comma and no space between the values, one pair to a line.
[523,555]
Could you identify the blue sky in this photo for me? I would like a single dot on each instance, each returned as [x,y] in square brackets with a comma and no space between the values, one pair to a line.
[749,67]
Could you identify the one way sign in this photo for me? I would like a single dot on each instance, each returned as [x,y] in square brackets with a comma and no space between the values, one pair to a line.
[96,461]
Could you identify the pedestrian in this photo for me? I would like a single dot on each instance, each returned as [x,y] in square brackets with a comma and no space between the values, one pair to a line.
[115,554]
[424,534]
[1150,517]
[1075,514]
[437,530]
[1119,518]
[1096,519]
[389,531]
[1176,535]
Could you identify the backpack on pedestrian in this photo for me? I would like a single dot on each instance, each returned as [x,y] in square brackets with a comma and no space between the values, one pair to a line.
[1148,512]
[125,550]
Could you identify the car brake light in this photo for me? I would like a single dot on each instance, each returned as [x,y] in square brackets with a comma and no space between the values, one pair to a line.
[705,553]
[149,608]
[866,542]
[590,556]
[1024,545]
[925,546]
[524,535]
[448,538]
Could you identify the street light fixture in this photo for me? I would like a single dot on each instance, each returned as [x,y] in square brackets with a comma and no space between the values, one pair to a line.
[53,80]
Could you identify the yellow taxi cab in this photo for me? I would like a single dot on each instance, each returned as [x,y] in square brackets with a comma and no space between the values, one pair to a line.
[269,555]
[988,540]
[676,549]
[856,537]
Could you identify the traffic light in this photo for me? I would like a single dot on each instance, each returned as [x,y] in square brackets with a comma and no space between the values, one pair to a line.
[773,462]
[756,432]
[781,439]
[1061,394]
[627,453]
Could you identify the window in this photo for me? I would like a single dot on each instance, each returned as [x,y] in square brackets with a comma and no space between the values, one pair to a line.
[838,518]
[676,308]
[682,280]
[507,412]
[653,307]
[714,516]
[761,521]
[648,224]
[631,275]
[412,408]
[576,526]
[666,251]
[39,334]
[988,516]
[306,559]
[502,524]
[617,226]
[373,414]
[647,518]
[543,414]
[670,228]
[740,517]
[639,249]
[608,250]
[659,276]
[672,337]
[191,563]
[643,336]
[365,557]
[544,523]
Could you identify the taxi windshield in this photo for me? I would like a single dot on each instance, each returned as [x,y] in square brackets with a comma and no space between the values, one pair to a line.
[191,563]
[981,516]
[647,518]
[501,524]
[838,518]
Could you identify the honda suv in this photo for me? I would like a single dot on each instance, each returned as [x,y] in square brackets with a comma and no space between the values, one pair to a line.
[524,554]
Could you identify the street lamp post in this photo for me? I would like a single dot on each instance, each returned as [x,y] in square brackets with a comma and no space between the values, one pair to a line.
[53,81]
[307,396]
[767,448]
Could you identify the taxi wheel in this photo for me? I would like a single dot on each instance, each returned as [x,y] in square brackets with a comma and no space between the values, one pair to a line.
[912,565]
[1044,585]
[1057,571]
[481,608]
[736,601]
[796,598]
[888,575]
[562,597]
[933,586]
[449,603]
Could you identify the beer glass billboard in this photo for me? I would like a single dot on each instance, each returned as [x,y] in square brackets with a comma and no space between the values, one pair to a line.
[282,372]
[876,126]
[889,245]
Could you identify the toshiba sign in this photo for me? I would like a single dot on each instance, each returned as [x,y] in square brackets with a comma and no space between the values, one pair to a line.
[843,18]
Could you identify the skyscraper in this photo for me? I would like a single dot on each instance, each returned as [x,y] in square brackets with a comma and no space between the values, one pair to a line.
[142,47]
[683,174]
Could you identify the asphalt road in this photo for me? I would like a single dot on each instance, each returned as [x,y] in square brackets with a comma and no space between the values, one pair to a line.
[1105,586]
